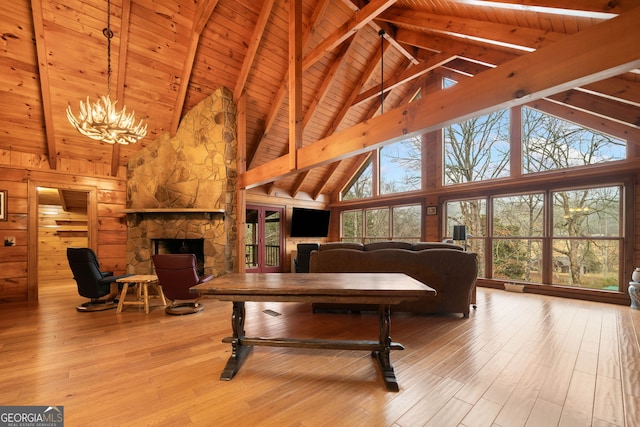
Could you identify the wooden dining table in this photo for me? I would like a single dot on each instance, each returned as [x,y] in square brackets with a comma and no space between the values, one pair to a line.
[380,289]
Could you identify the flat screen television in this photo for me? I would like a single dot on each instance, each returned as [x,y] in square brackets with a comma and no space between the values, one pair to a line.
[310,222]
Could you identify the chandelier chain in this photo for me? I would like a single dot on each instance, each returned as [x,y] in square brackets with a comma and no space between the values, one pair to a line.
[381,33]
[100,120]
[109,35]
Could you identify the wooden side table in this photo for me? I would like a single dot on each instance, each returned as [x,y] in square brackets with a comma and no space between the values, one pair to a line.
[141,282]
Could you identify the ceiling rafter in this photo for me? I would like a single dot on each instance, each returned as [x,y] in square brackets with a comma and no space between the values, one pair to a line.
[509,36]
[625,114]
[282,90]
[387,33]
[326,178]
[616,88]
[203,13]
[121,75]
[328,80]
[298,183]
[45,86]
[407,75]
[587,119]
[453,46]
[295,81]
[359,20]
[588,8]
[535,75]
[322,90]
[358,163]
[256,37]
[364,77]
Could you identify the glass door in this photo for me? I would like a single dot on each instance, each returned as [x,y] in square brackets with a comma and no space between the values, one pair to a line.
[264,239]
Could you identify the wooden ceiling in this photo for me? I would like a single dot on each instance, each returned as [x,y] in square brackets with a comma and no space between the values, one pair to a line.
[168,55]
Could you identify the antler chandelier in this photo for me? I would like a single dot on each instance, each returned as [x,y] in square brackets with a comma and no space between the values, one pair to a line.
[100,120]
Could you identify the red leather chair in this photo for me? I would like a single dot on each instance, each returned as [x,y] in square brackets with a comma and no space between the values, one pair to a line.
[176,274]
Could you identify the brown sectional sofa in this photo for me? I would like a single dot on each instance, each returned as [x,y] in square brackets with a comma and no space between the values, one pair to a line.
[445,267]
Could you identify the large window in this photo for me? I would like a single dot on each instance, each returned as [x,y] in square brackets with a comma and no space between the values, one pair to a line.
[586,237]
[361,186]
[387,223]
[581,248]
[550,143]
[518,229]
[472,213]
[477,149]
[401,166]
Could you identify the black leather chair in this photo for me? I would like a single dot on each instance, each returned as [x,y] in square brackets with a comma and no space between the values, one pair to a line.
[303,256]
[97,285]
[176,274]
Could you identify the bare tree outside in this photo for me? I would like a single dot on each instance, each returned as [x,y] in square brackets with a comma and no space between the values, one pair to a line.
[401,166]
[586,231]
[362,185]
[477,149]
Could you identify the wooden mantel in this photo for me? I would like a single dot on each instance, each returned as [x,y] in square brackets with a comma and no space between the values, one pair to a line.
[208,212]
[172,210]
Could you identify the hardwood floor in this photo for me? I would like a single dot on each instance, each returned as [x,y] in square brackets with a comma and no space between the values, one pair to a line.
[519,360]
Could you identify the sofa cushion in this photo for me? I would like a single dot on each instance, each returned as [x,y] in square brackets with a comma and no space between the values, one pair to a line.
[421,246]
[374,246]
[341,245]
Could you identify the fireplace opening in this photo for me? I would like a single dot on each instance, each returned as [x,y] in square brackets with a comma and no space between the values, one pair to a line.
[182,246]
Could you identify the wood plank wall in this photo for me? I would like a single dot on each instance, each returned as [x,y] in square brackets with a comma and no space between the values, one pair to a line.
[17,171]
[57,230]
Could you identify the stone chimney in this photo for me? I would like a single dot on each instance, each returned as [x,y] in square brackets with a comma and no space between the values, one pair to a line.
[184,187]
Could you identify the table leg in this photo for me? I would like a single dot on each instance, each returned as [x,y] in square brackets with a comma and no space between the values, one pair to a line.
[238,350]
[382,356]
[145,296]
[123,295]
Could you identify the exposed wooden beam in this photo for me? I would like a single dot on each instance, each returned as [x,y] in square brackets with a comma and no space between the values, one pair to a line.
[295,81]
[242,133]
[377,104]
[586,8]
[45,86]
[299,181]
[387,34]
[576,60]
[254,43]
[616,88]
[326,178]
[489,32]
[591,121]
[597,122]
[353,170]
[484,54]
[411,73]
[328,80]
[204,10]
[626,114]
[371,66]
[360,19]
[282,90]
[121,75]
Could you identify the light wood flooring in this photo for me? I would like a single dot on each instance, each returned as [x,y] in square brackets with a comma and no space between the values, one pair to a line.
[519,360]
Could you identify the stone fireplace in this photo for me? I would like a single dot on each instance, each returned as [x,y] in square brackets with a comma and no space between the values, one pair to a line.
[184,187]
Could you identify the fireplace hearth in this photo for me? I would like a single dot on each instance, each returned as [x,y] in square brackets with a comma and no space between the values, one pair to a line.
[181,246]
